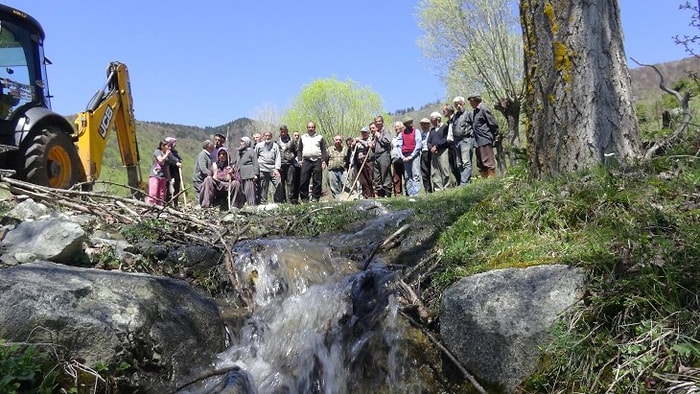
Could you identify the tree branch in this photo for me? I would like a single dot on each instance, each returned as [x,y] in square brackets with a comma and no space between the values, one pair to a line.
[683,100]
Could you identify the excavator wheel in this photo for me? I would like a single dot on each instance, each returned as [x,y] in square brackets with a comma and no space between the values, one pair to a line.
[49,158]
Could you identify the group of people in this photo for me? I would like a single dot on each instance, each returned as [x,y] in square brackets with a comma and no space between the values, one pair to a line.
[375,164]
[435,156]
[245,176]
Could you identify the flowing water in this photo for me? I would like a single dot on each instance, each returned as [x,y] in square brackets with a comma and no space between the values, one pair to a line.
[321,324]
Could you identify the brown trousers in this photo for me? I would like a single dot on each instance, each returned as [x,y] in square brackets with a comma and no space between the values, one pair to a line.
[397,175]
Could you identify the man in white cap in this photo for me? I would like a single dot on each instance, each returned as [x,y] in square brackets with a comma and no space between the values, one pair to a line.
[485,129]
[425,155]
[410,146]
[439,148]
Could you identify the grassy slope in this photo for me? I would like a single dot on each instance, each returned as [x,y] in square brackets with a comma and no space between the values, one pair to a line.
[636,233]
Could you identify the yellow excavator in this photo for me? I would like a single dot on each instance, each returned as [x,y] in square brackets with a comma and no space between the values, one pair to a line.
[41,146]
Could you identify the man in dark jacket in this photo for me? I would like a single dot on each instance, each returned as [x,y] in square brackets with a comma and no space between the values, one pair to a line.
[383,183]
[288,189]
[202,166]
[484,125]
[425,155]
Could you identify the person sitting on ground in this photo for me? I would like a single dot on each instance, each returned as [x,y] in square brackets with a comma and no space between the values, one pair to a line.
[221,181]
[202,166]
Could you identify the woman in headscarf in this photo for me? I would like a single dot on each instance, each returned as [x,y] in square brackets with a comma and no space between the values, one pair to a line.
[174,164]
[247,166]
[220,182]
[159,174]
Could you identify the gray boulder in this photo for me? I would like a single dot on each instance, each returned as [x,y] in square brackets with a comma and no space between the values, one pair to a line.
[47,239]
[495,322]
[161,327]
[28,210]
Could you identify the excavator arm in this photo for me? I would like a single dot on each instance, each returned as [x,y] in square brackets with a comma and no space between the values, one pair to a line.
[110,108]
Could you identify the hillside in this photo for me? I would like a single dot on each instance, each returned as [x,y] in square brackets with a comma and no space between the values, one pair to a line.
[189,144]
[645,80]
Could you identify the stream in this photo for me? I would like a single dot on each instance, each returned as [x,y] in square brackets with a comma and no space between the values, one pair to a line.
[320,323]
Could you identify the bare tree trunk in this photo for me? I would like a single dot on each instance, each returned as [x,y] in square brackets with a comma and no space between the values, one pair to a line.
[578,95]
[512,151]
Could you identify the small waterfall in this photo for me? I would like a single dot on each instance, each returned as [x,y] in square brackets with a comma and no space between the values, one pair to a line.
[320,325]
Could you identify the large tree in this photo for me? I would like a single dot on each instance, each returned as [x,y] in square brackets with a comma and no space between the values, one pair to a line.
[335,106]
[578,90]
[476,46]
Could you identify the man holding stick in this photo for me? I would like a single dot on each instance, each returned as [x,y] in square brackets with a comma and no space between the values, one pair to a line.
[364,163]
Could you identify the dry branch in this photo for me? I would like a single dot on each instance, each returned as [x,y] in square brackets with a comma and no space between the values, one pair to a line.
[130,211]
[683,100]
[447,353]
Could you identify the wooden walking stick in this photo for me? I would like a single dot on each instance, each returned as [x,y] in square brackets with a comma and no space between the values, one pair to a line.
[230,181]
[228,195]
[182,186]
[343,192]
[359,171]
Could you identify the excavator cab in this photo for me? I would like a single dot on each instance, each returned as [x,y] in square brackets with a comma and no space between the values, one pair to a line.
[22,66]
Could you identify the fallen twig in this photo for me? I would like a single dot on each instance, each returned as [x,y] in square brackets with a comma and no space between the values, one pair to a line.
[204,375]
[378,246]
[447,352]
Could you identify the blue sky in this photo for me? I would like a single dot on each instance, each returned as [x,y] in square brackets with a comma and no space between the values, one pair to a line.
[210,62]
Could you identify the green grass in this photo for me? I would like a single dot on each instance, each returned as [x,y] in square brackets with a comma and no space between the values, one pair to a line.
[637,235]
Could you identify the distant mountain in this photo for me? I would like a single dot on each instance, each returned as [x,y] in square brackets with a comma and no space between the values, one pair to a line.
[645,80]
[235,129]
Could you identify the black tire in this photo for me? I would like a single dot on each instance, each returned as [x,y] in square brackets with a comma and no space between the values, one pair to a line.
[49,158]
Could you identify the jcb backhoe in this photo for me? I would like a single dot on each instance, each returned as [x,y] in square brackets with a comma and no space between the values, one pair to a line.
[41,146]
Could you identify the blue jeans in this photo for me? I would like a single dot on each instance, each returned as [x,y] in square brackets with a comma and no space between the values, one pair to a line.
[463,158]
[336,178]
[413,179]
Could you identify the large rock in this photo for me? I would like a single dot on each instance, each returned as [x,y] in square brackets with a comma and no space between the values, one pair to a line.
[28,210]
[47,239]
[163,328]
[494,322]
